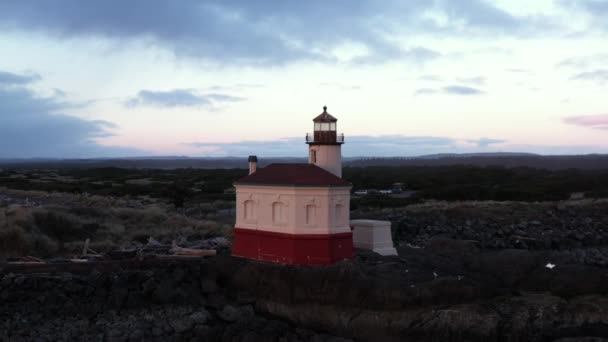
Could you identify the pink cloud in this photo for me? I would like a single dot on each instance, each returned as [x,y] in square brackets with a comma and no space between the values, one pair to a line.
[594,121]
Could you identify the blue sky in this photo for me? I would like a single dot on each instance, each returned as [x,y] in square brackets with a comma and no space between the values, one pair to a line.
[235,77]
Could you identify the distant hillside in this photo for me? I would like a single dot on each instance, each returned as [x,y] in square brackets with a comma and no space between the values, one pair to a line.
[464,155]
[144,163]
[508,159]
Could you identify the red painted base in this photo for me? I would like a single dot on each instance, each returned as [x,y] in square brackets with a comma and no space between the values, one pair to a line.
[309,249]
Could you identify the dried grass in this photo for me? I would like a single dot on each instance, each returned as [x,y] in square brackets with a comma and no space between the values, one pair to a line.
[62,221]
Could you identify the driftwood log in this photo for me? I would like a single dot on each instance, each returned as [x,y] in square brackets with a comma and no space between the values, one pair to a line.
[176,250]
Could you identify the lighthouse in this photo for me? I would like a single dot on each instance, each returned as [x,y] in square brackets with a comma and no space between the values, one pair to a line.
[297,213]
[325,145]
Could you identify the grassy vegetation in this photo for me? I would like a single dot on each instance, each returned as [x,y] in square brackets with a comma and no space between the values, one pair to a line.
[64,221]
[50,212]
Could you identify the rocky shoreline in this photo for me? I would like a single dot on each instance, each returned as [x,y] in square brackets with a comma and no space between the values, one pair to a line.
[560,225]
[419,296]
[452,281]
[176,301]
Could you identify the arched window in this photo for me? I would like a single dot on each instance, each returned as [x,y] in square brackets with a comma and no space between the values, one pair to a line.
[339,215]
[249,210]
[279,213]
[311,215]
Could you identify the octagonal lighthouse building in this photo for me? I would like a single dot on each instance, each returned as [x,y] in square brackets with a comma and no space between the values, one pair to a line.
[297,213]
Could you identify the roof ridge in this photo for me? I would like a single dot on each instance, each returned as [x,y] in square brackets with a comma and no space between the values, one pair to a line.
[303,174]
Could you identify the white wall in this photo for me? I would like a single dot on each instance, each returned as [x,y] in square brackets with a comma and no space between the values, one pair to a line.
[328,157]
[295,201]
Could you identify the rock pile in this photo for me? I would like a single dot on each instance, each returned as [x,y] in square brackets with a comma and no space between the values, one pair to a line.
[167,303]
[500,225]
[449,291]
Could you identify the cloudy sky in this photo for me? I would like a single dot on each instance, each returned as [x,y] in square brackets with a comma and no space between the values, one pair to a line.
[237,77]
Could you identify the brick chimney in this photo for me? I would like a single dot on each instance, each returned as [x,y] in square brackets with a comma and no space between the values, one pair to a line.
[253,164]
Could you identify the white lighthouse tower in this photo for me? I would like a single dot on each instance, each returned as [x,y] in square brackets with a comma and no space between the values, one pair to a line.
[325,145]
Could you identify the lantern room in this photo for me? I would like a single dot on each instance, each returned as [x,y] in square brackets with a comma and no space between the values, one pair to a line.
[325,130]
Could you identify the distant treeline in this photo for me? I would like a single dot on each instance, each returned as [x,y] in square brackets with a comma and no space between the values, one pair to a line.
[584,162]
[166,163]
[482,183]
[428,182]
[177,185]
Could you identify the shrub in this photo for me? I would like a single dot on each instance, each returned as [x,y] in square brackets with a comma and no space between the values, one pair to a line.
[42,245]
[13,241]
[154,215]
[61,226]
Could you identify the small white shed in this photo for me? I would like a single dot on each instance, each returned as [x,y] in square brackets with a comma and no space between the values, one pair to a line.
[373,235]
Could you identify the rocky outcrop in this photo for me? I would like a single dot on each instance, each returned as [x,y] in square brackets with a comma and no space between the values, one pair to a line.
[563,225]
[452,291]
[462,274]
[448,291]
[142,302]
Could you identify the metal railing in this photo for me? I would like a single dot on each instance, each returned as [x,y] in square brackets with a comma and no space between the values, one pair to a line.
[310,139]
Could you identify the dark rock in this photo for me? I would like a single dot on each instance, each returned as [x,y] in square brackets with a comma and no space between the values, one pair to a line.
[136,335]
[178,275]
[216,301]
[202,332]
[122,254]
[19,280]
[181,325]
[165,291]
[230,314]
[149,286]
[243,297]
[200,317]
[7,280]
[209,286]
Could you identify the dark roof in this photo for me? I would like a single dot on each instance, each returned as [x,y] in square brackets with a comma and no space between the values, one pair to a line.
[325,117]
[293,175]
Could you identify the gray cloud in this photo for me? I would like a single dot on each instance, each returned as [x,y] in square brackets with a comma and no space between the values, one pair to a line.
[415,55]
[386,145]
[599,121]
[179,98]
[477,80]
[584,61]
[600,76]
[483,14]
[268,32]
[459,90]
[595,6]
[425,91]
[485,142]
[8,78]
[462,90]
[596,9]
[33,126]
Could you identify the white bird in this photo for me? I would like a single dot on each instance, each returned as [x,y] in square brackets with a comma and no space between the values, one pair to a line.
[550,266]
